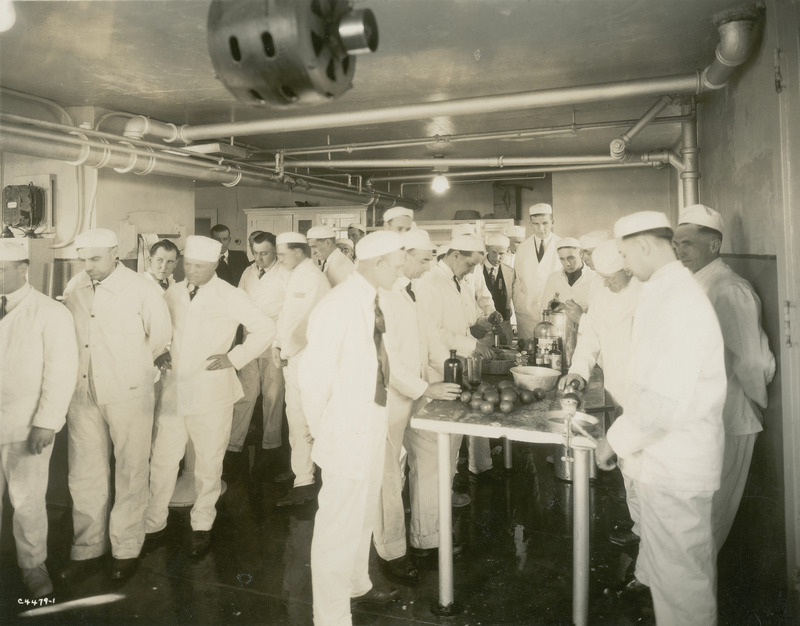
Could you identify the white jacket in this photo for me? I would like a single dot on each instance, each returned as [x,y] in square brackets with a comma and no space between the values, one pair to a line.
[604,338]
[529,280]
[578,292]
[671,433]
[121,327]
[450,312]
[337,374]
[306,287]
[203,327]
[748,360]
[337,267]
[38,365]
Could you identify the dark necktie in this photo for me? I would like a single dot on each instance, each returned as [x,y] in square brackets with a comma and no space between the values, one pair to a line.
[94,286]
[164,284]
[324,263]
[573,277]
[411,293]
[382,378]
[458,285]
[540,250]
[193,292]
[492,275]
[261,273]
[2,307]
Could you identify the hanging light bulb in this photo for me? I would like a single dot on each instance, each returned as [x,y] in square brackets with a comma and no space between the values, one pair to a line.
[7,15]
[440,183]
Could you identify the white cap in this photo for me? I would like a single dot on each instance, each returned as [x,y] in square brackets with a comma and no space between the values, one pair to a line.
[290,237]
[540,208]
[568,242]
[358,226]
[462,229]
[345,242]
[397,211]
[13,250]
[640,222]
[201,248]
[516,231]
[591,240]
[467,243]
[443,249]
[378,243]
[320,232]
[496,239]
[702,215]
[417,239]
[607,259]
[97,238]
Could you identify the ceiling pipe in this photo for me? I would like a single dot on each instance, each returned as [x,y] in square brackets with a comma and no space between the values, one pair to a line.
[736,37]
[690,176]
[510,172]
[544,131]
[125,158]
[619,145]
[498,161]
[139,126]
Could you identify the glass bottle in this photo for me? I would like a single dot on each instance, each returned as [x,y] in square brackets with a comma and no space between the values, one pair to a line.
[558,317]
[556,358]
[543,333]
[453,369]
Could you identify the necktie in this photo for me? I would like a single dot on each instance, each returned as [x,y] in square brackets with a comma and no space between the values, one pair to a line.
[164,284]
[2,307]
[540,250]
[458,285]
[492,276]
[261,273]
[324,263]
[383,362]
[94,286]
[411,293]
[193,292]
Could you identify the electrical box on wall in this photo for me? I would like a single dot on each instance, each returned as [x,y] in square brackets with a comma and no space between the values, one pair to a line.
[28,203]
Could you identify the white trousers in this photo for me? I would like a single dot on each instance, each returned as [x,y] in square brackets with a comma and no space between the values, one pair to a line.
[735,469]
[259,376]
[343,526]
[390,526]
[94,433]
[423,484]
[209,433]
[27,476]
[677,559]
[300,438]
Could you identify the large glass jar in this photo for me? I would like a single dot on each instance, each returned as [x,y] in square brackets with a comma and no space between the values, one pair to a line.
[544,334]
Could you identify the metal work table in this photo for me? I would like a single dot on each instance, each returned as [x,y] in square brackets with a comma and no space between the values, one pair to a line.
[532,423]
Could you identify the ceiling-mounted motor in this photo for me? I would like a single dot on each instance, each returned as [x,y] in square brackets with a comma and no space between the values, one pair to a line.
[288,52]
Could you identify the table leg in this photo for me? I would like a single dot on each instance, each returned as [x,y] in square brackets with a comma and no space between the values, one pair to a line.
[580,537]
[507,452]
[446,605]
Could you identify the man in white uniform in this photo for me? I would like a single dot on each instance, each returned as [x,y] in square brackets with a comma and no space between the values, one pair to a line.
[265,282]
[200,385]
[398,219]
[347,247]
[604,338]
[447,302]
[162,262]
[589,242]
[355,232]
[516,235]
[122,325]
[39,365]
[748,360]
[535,260]
[306,287]
[335,265]
[669,438]
[572,284]
[417,356]
[344,375]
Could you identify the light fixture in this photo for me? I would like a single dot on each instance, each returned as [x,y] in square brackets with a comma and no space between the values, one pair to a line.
[440,184]
[7,15]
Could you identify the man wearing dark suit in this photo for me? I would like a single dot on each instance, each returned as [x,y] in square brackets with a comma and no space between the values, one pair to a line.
[498,276]
[231,262]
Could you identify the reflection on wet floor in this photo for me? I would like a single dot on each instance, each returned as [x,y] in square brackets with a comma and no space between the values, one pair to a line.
[515,566]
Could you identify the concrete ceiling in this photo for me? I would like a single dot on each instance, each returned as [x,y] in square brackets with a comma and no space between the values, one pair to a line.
[152,58]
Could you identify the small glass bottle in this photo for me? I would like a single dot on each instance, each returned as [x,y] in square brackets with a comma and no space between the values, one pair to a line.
[540,358]
[543,333]
[453,370]
[548,357]
[556,358]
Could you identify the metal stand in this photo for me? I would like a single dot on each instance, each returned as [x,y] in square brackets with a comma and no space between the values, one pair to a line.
[446,605]
[507,453]
[580,538]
